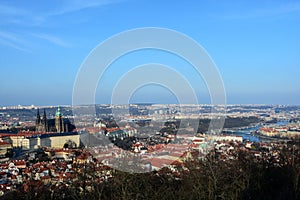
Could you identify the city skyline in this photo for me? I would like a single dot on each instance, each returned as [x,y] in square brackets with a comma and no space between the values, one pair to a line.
[255,46]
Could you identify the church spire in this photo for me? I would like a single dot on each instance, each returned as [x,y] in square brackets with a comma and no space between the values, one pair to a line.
[38,116]
[38,120]
[45,116]
[45,121]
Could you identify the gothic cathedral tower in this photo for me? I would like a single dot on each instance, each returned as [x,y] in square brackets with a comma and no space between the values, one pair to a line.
[41,123]
[38,121]
[44,122]
[59,122]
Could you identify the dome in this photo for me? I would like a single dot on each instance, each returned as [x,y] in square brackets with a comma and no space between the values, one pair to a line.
[58,113]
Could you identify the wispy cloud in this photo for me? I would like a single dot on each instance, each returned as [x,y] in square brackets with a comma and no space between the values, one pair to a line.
[11,15]
[20,17]
[34,17]
[269,11]
[12,45]
[51,39]
[77,5]
[12,37]
[11,10]
[13,41]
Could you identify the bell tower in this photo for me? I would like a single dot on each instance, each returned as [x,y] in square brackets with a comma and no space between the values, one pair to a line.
[38,120]
[59,124]
[44,122]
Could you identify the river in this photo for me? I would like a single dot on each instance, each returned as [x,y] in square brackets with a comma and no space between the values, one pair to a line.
[247,133]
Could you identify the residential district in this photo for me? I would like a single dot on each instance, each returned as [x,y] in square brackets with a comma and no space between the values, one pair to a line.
[49,147]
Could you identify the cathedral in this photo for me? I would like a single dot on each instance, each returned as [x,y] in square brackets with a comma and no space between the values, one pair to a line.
[59,124]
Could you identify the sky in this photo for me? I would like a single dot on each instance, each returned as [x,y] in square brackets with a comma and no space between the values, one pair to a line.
[254,44]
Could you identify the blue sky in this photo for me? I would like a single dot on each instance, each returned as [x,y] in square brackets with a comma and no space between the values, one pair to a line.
[255,45]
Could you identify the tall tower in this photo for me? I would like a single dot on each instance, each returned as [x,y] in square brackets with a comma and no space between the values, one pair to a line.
[59,124]
[38,120]
[44,122]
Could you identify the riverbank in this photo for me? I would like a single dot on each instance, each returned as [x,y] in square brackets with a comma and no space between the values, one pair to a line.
[251,132]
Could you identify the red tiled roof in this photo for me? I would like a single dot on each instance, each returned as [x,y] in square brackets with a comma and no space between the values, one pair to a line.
[160,162]
[4,143]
